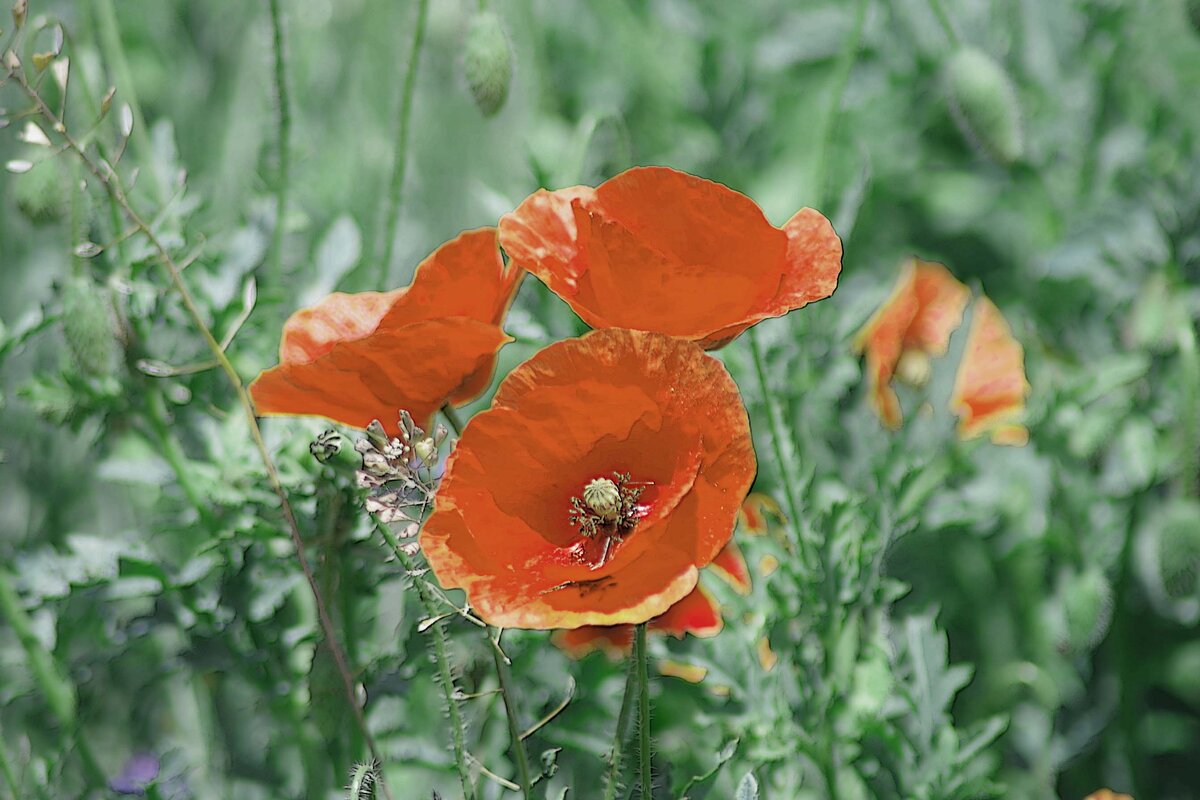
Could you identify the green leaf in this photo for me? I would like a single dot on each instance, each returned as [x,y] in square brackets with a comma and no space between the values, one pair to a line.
[748,788]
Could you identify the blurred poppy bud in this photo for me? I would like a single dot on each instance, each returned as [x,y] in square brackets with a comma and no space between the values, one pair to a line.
[487,62]
[88,326]
[41,192]
[1087,606]
[984,104]
[1179,549]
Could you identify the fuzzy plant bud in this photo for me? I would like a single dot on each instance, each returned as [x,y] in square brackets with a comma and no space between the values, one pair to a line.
[19,11]
[41,192]
[326,446]
[1179,549]
[425,449]
[984,104]
[88,327]
[487,62]
[1087,607]
[439,434]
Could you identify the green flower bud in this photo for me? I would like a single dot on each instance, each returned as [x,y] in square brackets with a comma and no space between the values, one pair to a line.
[88,326]
[487,62]
[984,104]
[41,193]
[1179,549]
[1087,607]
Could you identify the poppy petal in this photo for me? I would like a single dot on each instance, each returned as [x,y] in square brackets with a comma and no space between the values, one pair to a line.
[697,614]
[615,641]
[355,358]
[730,565]
[990,388]
[413,368]
[655,246]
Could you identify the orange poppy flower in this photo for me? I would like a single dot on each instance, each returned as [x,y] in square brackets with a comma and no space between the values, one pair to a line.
[606,474]
[697,614]
[1107,794]
[657,249]
[359,357]
[990,388]
[912,325]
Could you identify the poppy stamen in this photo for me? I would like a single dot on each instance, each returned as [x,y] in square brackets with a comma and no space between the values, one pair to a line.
[607,505]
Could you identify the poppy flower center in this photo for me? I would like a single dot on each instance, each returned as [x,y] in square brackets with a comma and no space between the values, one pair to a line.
[607,505]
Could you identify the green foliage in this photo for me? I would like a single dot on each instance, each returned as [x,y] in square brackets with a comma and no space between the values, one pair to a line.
[1046,152]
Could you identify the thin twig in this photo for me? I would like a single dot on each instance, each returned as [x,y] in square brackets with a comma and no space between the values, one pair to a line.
[511,713]
[441,658]
[400,157]
[111,183]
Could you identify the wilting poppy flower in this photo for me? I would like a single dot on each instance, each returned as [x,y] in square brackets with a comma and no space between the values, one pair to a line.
[1107,794]
[607,473]
[912,325]
[990,388]
[358,357]
[661,250]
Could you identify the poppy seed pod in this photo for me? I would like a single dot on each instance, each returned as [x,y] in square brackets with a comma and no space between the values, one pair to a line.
[984,104]
[88,327]
[1179,548]
[41,192]
[487,62]
[1088,607]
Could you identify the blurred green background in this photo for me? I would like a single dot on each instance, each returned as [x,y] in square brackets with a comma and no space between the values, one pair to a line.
[1061,176]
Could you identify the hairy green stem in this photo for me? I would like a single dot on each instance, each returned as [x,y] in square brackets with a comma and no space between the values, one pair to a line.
[504,674]
[614,763]
[642,658]
[441,658]
[283,143]
[456,424]
[6,769]
[1190,367]
[111,183]
[802,536]
[400,157]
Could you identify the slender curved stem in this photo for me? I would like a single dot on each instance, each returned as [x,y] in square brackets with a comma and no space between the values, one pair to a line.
[504,674]
[775,419]
[837,87]
[400,158]
[642,658]
[283,143]
[614,764]
[112,186]
[939,11]
[456,424]
[441,658]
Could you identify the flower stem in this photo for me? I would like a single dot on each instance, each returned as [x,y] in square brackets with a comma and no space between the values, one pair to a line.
[775,419]
[456,424]
[511,712]
[111,183]
[943,18]
[400,157]
[283,144]
[641,658]
[56,688]
[614,764]
[441,658]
